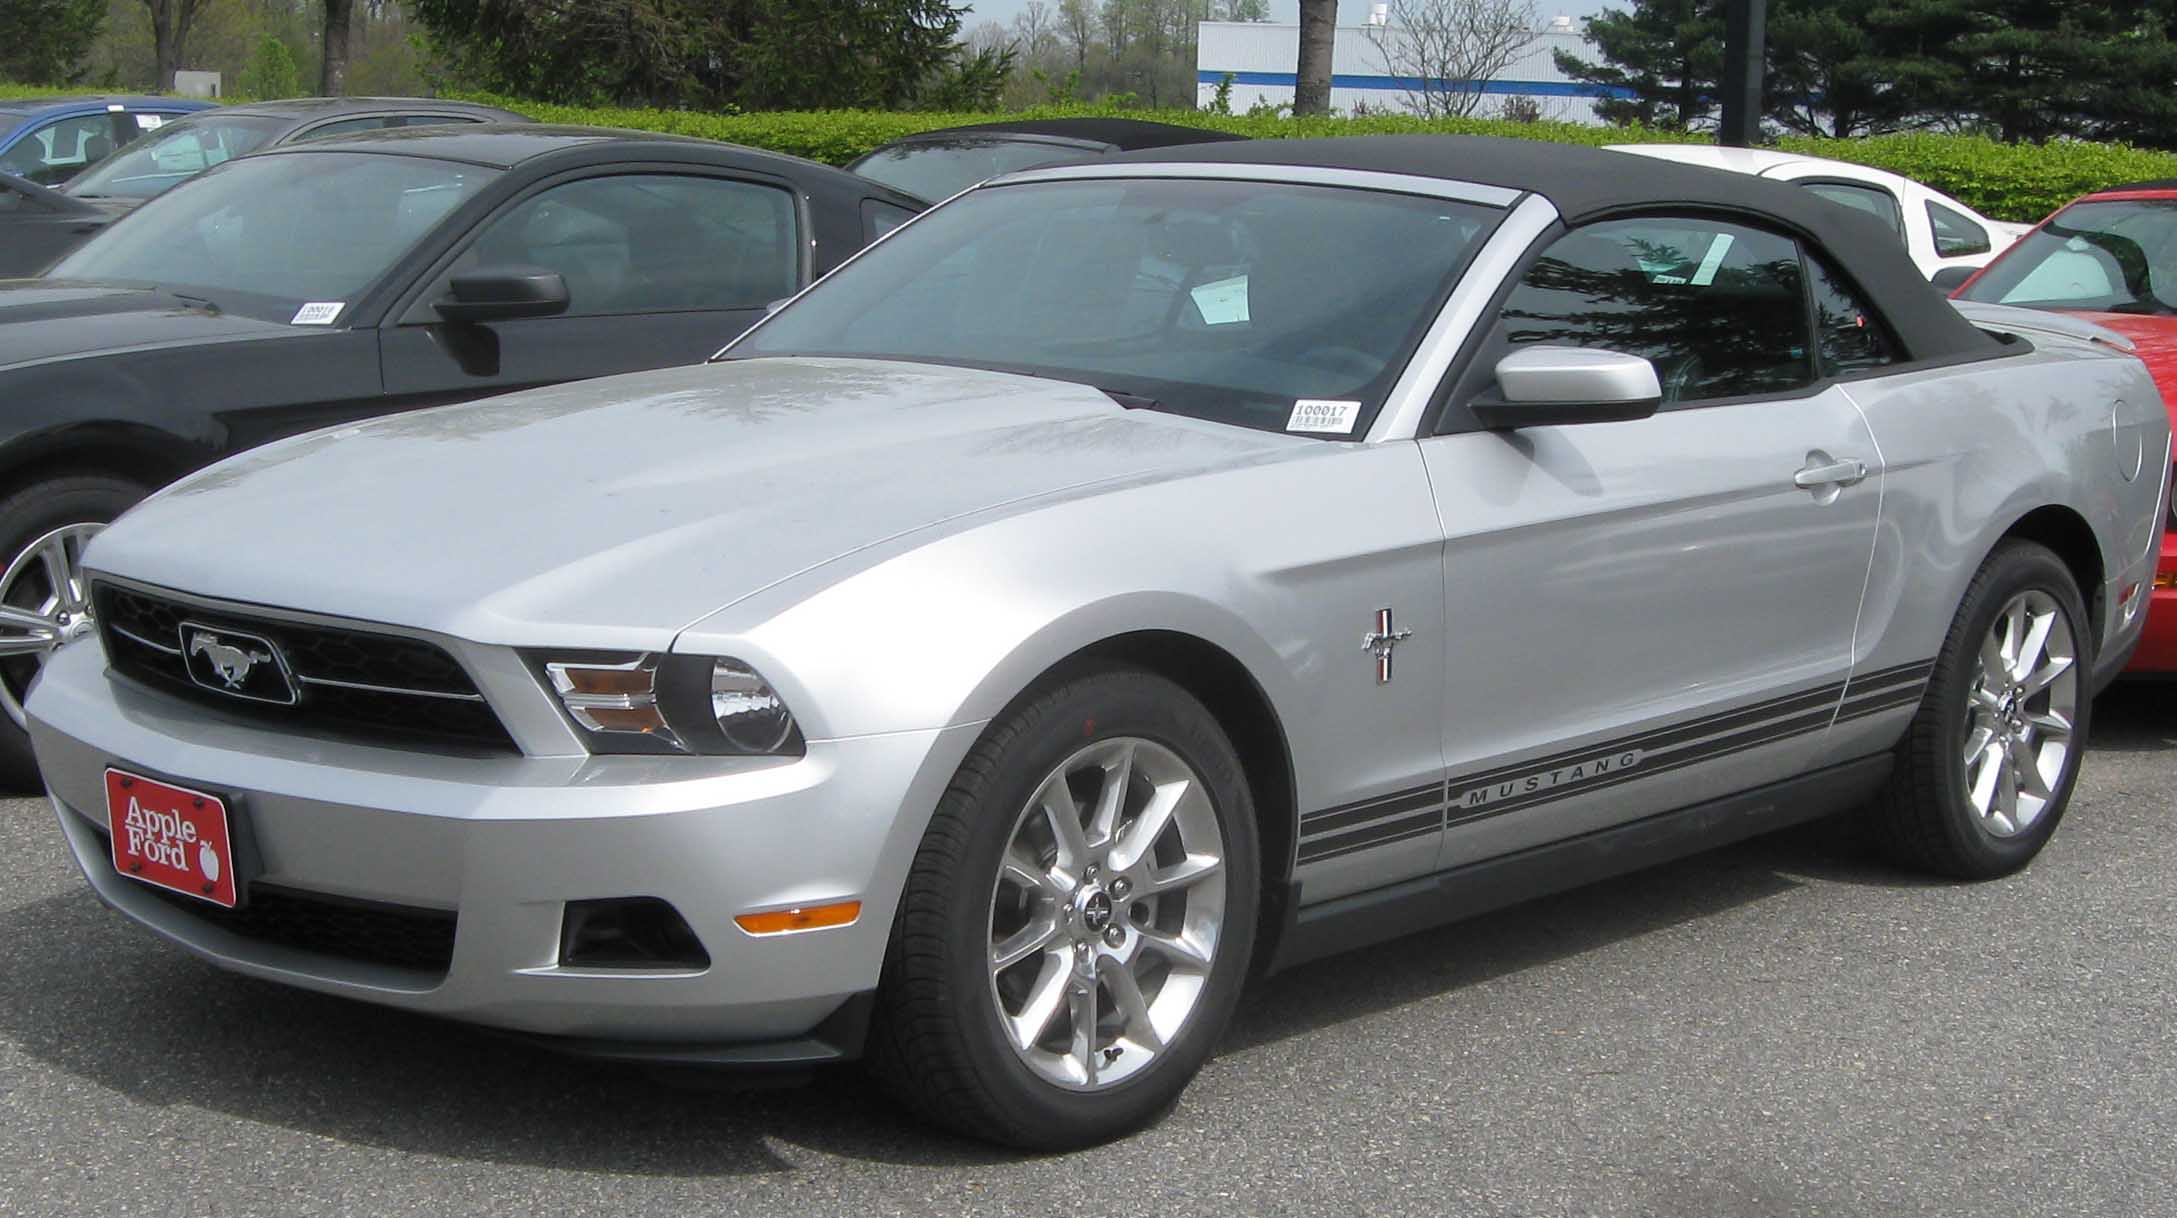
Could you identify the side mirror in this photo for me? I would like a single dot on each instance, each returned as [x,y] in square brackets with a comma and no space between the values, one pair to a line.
[504,293]
[774,306]
[1951,278]
[1546,386]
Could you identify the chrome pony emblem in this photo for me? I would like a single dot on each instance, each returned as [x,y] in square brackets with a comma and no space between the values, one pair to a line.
[1380,641]
[241,665]
[231,663]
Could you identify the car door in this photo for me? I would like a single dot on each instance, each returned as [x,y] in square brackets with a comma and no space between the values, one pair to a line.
[1646,614]
[662,267]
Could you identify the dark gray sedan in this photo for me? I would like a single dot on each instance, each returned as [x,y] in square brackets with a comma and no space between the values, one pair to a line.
[175,151]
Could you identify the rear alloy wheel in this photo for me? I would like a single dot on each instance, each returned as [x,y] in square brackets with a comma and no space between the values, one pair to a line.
[1078,921]
[44,601]
[1989,763]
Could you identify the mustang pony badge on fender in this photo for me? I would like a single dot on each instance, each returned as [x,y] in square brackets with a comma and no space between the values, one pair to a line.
[1380,641]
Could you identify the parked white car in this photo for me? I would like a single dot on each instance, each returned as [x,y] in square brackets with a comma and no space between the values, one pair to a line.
[1939,232]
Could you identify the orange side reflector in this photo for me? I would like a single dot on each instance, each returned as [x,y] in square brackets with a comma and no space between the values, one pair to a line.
[2165,579]
[811,917]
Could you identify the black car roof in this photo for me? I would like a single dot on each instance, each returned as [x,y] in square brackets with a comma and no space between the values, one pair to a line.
[325,107]
[36,105]
[1587,184]
[1126,134]
[508,145]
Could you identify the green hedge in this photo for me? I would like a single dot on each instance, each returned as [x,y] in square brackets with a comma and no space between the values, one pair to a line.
[2006,181]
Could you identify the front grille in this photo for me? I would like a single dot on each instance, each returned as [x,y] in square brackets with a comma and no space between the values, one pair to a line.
[348,683]
[397,936]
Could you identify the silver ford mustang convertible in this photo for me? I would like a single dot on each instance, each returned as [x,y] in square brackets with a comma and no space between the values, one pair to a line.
[1124,577]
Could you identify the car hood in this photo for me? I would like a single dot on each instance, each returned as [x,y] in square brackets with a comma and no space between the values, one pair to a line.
[614,513]
[48,319]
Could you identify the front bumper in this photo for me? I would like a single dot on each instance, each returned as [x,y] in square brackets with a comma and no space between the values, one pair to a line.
[503,843]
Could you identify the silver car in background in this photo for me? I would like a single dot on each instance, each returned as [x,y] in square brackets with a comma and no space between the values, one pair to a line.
[1123,577]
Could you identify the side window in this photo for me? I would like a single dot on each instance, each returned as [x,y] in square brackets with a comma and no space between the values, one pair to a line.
[881,218]
[60,150]
[429,120]
[350,126]
[1850,337]
[1956,236]
[1873,200]
[651,243]
[1718,308]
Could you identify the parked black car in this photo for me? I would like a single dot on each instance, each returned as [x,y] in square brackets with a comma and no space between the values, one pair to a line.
[52,139]
[35,219]
[173,152]
[937,165]
[359,275]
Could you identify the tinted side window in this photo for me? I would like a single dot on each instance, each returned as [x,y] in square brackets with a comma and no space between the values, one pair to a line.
[1851,338]
[651,243]
[58,151]
[1956,236]
[350,126]
[881,218]
[1718,308]
[1873,200]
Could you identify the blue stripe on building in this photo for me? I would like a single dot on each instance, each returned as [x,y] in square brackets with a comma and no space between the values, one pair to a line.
[1415,84]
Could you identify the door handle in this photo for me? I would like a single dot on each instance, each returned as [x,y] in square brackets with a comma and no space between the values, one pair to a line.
[1832,473]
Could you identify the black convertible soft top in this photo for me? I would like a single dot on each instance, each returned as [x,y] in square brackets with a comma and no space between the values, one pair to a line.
[1588,184]
[1122,133]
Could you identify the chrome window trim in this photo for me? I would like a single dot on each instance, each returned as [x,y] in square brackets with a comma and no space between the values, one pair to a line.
[1305,175]
[508,687]
[1407,404]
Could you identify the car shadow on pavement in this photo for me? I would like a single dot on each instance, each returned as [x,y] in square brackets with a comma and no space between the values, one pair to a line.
[85,992]
[2137,716]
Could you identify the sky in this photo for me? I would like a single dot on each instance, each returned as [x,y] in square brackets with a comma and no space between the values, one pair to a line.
[1350,12]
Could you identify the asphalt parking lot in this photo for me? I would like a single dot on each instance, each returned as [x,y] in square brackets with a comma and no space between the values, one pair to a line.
[1779,1028]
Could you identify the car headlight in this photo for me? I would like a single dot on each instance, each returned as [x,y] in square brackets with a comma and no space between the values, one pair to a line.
[672,704]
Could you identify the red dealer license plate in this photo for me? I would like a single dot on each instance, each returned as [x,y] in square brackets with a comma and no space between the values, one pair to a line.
[170,836]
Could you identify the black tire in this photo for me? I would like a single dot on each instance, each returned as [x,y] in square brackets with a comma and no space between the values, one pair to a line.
[937,1042]
[1923,818]
[26,516]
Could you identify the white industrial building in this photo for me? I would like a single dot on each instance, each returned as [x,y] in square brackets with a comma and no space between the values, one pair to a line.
[1260,57]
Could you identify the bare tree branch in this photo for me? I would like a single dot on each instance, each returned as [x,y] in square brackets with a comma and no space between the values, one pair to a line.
[1448,50]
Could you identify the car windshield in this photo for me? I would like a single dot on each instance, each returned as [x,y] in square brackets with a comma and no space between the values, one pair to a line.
[2116,256]
[159,159]
[262,237]
[1226,300]
[940,169]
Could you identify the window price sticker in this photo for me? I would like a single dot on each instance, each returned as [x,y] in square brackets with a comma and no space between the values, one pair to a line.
[318,313]
[1322,417]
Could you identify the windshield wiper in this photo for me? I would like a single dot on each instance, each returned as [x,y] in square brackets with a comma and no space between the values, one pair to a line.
[1131,401]
[206,301]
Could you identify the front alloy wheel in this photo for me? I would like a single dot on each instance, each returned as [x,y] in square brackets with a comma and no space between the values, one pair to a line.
[43,600]
[43,604]
[1078,919]
[1107,913]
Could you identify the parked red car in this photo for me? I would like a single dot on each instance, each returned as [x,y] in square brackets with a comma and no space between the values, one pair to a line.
[2111,258]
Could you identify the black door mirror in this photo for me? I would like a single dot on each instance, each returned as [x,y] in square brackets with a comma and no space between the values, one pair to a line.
[503,293]
[1951,278]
